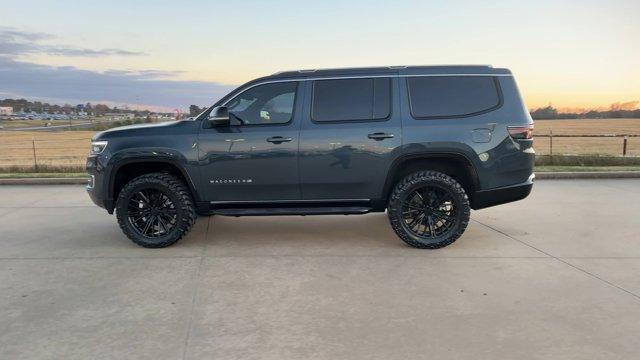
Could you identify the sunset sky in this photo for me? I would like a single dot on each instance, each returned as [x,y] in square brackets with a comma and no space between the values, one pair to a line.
[169,54]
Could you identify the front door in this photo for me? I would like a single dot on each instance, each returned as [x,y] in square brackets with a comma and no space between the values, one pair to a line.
[256,157]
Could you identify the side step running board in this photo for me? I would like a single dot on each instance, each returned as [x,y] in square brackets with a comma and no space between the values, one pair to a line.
[291,211]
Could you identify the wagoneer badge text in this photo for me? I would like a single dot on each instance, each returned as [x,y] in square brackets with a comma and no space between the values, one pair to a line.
[231,181]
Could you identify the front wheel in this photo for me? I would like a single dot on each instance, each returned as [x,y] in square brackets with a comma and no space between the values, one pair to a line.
[428,210]
[155,210]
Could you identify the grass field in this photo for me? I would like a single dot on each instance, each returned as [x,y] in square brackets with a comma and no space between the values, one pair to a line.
[67,150]
[12,124]
[587,146]
[53,150]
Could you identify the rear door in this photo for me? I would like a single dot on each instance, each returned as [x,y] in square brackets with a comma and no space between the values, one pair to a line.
[350,134]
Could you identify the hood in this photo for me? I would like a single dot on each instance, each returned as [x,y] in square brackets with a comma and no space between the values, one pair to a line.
[136,129]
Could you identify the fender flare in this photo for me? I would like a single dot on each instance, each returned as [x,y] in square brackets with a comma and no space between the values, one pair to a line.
[454,155]
[171,158]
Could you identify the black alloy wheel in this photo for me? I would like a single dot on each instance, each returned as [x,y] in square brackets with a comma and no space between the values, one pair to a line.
[155,210]
[428,209]
[152,213]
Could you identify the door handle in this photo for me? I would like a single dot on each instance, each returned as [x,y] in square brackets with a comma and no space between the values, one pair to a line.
[379,136]
[278,139]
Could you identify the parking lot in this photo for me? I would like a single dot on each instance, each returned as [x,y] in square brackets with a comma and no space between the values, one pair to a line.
[554,276]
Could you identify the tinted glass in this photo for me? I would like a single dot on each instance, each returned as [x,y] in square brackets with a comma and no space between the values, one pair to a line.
[450,96]
[351,99]
[264,104]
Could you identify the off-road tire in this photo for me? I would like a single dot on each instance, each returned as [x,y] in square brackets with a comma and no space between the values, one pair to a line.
[174,189]
[415,181]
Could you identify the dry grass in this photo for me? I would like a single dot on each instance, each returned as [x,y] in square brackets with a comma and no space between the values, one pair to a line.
[63,149]
[603,146]
[69,149]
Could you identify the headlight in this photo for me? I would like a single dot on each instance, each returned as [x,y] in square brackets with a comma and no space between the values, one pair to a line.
[98,147]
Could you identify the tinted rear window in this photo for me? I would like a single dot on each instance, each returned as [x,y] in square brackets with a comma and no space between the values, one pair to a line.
[452,96]
[351,99]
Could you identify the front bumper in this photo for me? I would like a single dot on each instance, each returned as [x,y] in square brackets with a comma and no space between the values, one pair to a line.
[502,195]
[96,184]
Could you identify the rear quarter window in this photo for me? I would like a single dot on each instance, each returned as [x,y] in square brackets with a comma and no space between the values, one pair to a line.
[452,96]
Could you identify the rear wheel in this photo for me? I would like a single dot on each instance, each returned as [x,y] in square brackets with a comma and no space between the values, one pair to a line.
[155,210]
[428,210]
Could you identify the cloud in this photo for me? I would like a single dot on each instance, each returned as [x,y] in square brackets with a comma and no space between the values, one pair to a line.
[89,52]
[16,35]
[153,88]
[18,43]
[70,84]
[629,105]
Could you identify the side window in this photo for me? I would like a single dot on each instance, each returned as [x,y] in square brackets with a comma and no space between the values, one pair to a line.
[351,99]
[264,104]
[451,96]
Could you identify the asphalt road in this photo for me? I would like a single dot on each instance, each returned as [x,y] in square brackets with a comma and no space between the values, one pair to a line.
[556,276]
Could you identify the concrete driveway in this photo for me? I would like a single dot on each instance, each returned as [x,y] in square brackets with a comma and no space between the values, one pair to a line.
[556,276]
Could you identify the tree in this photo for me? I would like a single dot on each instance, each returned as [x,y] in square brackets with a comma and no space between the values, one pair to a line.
[195,110]
[544,113]
[100,109]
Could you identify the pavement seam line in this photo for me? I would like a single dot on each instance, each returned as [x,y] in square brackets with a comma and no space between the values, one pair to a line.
[195,295]
[47,207]
[192,309]
[101,257]
[563,261]
[269,255]
[608,185]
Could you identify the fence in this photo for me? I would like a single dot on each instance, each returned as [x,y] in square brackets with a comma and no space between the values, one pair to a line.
[67,151]
[58,153]
[593,144]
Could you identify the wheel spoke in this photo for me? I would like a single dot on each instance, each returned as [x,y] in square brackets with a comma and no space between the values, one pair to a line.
[136,219]
[424,227]
[167,216]
[135,212]
[436,199]
[416,220]
[144,197]
[155,200]
[429,211]
[431,226]
[147,225]
[152,212]
[412,206]
[411,212]
[134,202]
[443,216]
[162,224]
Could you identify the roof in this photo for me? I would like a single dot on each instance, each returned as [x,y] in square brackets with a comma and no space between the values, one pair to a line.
[372,71]
[407,70]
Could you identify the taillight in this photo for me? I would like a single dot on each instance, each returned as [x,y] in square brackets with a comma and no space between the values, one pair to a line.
[521,132]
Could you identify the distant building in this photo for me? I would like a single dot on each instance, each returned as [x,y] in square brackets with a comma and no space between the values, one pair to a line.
[6,110]
[125,116]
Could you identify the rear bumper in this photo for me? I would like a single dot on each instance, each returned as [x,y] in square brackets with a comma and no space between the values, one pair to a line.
[487,198]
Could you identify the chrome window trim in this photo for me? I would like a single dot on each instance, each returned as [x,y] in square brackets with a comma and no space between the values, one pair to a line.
[240,91]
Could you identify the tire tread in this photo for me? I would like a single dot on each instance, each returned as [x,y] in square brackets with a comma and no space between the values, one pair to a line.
[413,179]
[185,202]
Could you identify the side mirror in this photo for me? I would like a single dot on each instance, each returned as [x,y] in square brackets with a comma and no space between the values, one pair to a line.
[219,116]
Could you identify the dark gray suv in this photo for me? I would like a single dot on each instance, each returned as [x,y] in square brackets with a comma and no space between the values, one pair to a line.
[424,143]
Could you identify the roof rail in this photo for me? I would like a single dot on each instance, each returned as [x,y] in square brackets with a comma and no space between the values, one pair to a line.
[391,67]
